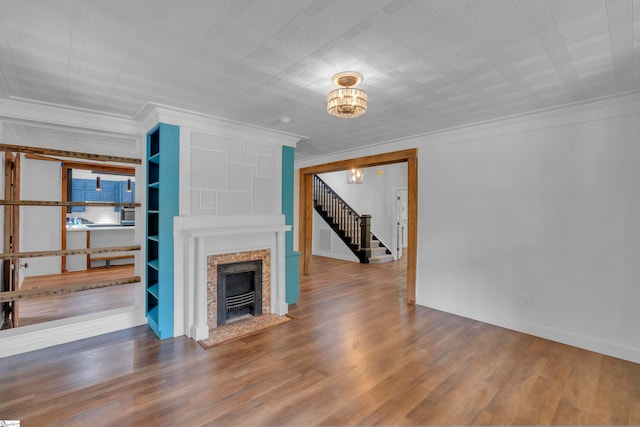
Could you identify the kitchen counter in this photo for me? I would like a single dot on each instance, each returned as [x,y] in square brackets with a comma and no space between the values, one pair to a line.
[100,227]
[101,236]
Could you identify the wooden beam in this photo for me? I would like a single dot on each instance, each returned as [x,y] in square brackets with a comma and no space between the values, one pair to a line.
[63,218]
[362,162]
[68,252]
[48,292]
[62,203]
[65,153]
[123,170]
[120,170]
[6,270]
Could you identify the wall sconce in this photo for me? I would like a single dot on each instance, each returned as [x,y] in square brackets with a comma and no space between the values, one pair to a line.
[129,185]
[98,184]
[355,176]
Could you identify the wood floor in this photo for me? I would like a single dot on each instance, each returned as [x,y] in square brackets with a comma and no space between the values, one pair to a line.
[40,310]
[356,354]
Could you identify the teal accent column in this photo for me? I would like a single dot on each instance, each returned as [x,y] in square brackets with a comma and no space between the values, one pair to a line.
[292,262]
[163,143]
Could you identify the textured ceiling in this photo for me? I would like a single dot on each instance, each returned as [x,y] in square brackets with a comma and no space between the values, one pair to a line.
[427,65]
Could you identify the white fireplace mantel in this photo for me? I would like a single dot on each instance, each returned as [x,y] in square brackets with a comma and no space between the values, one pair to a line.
[196,237]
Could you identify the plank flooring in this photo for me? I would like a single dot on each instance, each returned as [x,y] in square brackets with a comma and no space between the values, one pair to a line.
[356,354]
[45,309]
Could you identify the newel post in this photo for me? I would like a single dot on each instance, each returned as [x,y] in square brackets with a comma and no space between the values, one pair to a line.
[365,237]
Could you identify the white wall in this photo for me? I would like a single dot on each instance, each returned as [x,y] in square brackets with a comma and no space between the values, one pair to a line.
[40,225]
[532,223]
[231,175]
[375,197]
[227,169]
[537,231]
[326,242]
[52,127]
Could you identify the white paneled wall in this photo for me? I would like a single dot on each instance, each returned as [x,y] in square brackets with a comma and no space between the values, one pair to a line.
[232,176]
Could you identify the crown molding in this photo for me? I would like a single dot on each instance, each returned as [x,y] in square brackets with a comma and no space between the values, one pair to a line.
[55,115]
[151,114]
[581,112]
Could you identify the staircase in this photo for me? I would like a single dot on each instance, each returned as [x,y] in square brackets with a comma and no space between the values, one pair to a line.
[353,229]
[379,252]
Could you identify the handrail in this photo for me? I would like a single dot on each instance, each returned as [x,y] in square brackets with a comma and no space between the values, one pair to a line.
[338,208]
[336,194]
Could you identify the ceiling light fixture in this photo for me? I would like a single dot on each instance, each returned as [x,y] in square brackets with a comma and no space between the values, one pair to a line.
[347,101]
[355,176]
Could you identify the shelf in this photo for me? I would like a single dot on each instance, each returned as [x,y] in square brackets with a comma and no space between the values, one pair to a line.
[153,290]
[162,207]
[152,316]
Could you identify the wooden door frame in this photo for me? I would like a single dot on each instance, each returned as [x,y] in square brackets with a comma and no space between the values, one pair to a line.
[65,167]
[305,201]
[11,267]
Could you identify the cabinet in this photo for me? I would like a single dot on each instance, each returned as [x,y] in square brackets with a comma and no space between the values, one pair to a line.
[84,190]
[162,206]
[124,196]
[127,196]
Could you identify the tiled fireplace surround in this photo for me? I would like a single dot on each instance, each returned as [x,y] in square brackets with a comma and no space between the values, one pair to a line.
[202,240]
[213,261]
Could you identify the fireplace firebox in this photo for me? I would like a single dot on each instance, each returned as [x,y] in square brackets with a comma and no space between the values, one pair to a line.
[239,290]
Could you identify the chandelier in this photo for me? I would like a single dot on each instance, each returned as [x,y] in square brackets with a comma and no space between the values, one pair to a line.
[355,176]
[347,101]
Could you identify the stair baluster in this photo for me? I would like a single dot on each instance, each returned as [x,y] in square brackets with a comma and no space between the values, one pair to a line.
[352,228]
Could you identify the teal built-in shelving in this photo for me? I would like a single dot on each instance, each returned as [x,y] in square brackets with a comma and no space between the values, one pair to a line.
[162,206]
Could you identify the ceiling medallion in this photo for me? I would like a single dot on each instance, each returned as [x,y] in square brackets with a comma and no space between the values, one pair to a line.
[347,101]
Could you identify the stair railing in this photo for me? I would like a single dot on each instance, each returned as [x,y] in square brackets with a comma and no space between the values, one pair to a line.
[356,228]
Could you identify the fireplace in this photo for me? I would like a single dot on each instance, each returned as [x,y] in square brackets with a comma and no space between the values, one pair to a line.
[213,241]
[239,291]
[238,285]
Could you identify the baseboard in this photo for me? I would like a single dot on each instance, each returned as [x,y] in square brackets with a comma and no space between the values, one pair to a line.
[35,337]
[564,337]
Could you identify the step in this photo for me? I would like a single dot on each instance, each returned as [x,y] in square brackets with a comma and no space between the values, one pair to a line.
[375,243]
[379,259]
[375,251]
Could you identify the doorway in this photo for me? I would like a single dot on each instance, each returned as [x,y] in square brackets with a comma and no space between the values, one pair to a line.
[401,219]
[305,218]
